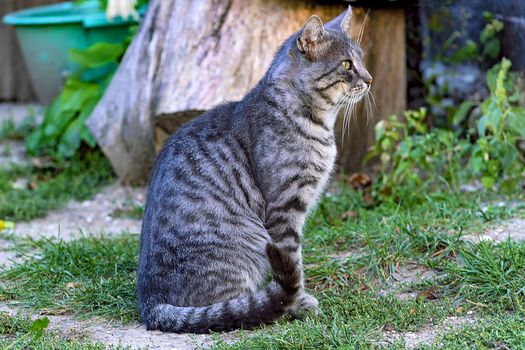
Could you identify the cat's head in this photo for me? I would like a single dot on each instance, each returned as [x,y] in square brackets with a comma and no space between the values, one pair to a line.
[329,64]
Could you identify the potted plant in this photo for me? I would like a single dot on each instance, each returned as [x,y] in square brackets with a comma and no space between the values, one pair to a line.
[47,34]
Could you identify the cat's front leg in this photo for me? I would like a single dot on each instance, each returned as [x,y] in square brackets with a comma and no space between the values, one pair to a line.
[285,230]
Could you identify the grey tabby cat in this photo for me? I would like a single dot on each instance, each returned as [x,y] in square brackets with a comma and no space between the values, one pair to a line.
[230,191]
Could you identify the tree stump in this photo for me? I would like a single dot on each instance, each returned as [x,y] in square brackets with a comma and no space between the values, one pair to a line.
[189,56]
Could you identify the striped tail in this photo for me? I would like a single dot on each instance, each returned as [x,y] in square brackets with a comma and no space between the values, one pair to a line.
[243,312]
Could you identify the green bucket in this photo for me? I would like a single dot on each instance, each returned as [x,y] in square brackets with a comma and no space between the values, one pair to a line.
[47,33]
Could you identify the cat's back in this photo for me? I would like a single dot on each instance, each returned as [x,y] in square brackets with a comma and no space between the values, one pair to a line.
[204,167]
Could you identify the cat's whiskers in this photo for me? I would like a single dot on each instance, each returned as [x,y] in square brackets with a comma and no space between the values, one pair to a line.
[369,107]
[349,113]
[362,29]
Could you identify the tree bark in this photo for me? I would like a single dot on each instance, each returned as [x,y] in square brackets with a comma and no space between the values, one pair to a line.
[187,57]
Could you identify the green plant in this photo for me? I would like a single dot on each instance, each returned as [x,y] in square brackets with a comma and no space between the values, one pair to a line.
[63,129]
[495,156]
[413,155]
[35,332]
[490,44]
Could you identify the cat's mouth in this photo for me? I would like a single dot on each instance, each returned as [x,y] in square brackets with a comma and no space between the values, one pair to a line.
[357,93]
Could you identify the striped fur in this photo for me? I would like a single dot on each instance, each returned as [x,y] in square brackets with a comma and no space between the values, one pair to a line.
[231,190]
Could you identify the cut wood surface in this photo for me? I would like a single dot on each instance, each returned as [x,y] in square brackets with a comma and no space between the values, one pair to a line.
[189,56]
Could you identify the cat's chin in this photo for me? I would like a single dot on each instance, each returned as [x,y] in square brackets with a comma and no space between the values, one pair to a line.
[359,96]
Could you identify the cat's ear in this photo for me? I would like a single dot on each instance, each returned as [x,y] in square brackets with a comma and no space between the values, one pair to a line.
[312,38]
[346,23]
[342,22]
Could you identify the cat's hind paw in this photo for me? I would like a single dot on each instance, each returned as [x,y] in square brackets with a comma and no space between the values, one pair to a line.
[306,304]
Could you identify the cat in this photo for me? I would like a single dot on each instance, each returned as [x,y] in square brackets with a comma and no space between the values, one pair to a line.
[230,191]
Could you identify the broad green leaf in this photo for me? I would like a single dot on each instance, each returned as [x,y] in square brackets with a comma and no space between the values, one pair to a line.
[83,93]
[509,186]
[33,140]
[493,167]
[492,48]
[487,182]
[87,136]
[467,52]
[70,140]
[516,120]
[462,112]
[97,54]
[38,326]
[482,125]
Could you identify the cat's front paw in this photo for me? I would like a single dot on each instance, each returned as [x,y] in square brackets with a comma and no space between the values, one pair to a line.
[304,305]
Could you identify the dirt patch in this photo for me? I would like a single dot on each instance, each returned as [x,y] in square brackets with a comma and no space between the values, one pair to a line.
[512,228]
[7,255]
[18,112]
[93,216]
[133,335]
[12,153]
[428,334]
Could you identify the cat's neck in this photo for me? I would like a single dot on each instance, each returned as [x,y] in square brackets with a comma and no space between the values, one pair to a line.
[293,101]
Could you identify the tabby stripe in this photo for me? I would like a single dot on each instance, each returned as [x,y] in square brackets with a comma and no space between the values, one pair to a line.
[309,137]
[236,171]
[274,221]
[290,248]
[326,97]
[197,173]
[271,103]
[216,165]
[311,117]
[289,232]
[320,89]
[294,203]
[327,73]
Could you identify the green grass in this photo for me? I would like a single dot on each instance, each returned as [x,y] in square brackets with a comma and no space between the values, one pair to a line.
[92,276]
[9,130]
[500,331]
[50,189]
[16,334]
[96,276]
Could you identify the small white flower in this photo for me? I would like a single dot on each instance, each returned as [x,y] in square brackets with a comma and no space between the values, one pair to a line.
[121,8]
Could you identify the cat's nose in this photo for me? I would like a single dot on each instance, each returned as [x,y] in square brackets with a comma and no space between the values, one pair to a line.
[368,80]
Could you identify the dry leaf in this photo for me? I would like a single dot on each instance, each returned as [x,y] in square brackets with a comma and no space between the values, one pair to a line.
[52,312]
[360,181]
[72,285]
[367,197]
[349,214]
[412,311]
[386,191]
[459,310]
[389,328]
[426,295]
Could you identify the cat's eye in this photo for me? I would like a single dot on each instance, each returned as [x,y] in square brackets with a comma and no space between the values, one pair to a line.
[346,65]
